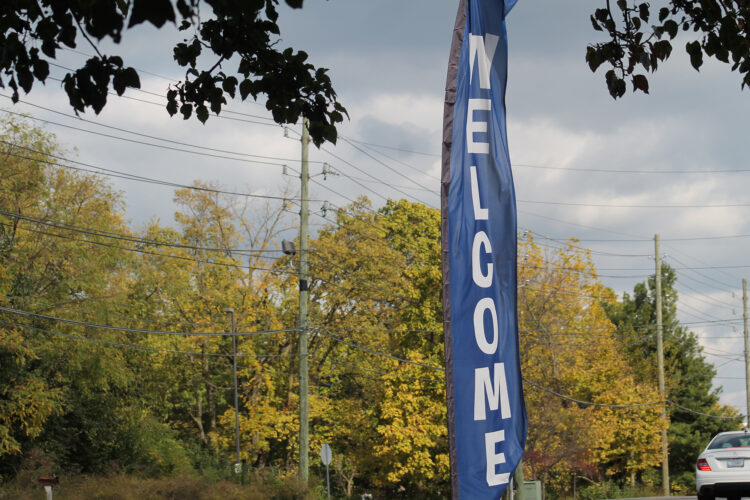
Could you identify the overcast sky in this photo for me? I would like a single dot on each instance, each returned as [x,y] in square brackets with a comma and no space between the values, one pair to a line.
[388,61]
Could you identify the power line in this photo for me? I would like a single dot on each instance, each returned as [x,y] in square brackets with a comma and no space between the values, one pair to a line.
[144,143]
[632,171]
[695,412]
[157,254]
[635,238]
[376,352]
[713,302]
[415,169]
[383,183]
[245,252]
[577,246]
[618,205]
[392,148]
[170,141]
[382,373]
[361,150]
[339,158]
[140,330]
[134,346]
[631,405]
[589,403]
[408,195]
[124,175]
[381,329]
[592,274]
[727,286]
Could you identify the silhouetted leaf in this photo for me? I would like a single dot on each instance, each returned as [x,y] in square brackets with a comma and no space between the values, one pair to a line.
[640,82]
[696,54]
[202,113]
[157,12]
[671,28]
[643,12]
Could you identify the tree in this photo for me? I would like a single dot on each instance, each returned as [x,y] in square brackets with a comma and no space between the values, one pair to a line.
[58,389]
[239,33]
[354,290]
[26,399]
[375,295]
[688,376]
[570,356]
[640,39]
[185,278]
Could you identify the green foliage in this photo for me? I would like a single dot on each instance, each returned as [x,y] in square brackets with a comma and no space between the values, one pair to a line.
[245,33]
[77,399]
[638,41]
[688,376]
[43,268]
[611,489]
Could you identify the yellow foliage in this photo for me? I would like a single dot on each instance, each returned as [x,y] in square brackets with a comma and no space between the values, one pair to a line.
[568,346]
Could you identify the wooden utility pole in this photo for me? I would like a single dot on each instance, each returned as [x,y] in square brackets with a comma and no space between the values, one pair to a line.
[303,298]
[518,479]
[660,362]
[747,353]
[238,463]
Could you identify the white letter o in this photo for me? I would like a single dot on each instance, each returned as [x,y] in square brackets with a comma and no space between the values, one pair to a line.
[483,305]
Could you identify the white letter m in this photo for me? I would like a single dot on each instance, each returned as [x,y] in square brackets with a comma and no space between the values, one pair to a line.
[498,394]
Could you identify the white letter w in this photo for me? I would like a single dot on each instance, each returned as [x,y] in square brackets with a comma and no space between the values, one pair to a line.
[482,49]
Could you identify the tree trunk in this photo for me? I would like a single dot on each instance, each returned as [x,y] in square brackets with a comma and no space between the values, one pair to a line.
[198,416]
[210,394]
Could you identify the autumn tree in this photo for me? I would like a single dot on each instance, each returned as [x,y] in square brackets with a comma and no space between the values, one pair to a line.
[355,278]
[376,348]
[574,371]
[688,376]
[62,389]
[219,256]
[27,399]
[414,428]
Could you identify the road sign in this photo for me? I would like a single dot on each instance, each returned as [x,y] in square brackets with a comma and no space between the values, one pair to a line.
[325,454]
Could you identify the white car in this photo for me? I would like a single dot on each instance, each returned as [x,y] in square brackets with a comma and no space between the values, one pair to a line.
[723,469]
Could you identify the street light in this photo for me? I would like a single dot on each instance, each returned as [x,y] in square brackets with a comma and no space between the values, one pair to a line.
[234,373]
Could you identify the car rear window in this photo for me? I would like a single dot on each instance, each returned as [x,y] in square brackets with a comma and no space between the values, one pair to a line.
[731,441]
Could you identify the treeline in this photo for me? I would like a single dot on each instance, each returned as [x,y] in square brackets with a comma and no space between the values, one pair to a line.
[152,393]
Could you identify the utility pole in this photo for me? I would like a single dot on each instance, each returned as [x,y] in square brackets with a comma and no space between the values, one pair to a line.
[518,479]
[660,361]
[303,297]
[747,353]
[236,399]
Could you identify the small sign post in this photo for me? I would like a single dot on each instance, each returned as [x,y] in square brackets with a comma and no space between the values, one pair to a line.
[325,456]
[48,482]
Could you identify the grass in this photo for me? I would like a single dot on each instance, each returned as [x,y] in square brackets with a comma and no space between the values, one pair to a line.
[129,487]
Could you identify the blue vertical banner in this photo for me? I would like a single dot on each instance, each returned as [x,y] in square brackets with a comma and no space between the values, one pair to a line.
[486,410]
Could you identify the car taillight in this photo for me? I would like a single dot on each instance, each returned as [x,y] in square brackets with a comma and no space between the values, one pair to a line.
[703,464]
